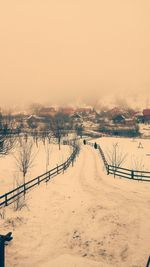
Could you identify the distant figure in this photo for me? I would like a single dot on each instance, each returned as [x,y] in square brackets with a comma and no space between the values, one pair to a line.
[95,145]
[84,142]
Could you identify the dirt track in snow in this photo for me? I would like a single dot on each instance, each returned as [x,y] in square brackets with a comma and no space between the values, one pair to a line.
[95,219]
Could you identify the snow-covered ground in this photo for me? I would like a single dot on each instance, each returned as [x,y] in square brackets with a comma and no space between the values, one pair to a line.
[136,157]
[9,170]
[82,218]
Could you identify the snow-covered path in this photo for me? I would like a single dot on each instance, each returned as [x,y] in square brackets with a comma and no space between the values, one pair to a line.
[82,218]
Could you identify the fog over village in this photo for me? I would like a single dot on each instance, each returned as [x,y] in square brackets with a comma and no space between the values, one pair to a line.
[75,133]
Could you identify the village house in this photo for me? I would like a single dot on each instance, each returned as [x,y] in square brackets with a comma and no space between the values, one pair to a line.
[77,117]
[33,121]
[119,118]
[47,111]
[67,110]
[146,115]
[130,122]
[139,118]
[116,111]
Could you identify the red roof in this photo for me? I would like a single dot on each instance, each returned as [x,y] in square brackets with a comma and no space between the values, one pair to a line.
[67,110]
[83,110]
[146,112]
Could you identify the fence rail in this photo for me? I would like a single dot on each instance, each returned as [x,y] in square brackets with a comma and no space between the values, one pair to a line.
[122,172]
[11,196]
[101,153]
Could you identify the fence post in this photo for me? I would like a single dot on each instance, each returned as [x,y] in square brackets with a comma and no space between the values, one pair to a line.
[114,169]
[2,252]
[148,263]
[64,167]
[3,239]
[24,189]
[6,201]
[107,169]
[132,174]
[68,162]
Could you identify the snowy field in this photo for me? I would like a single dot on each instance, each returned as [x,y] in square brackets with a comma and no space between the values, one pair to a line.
[137,151]
[45,157]
[82,218]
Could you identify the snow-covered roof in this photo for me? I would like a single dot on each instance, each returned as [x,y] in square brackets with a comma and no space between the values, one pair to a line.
[34,117]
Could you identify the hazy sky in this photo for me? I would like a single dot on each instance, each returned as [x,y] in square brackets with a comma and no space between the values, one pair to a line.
[63,51]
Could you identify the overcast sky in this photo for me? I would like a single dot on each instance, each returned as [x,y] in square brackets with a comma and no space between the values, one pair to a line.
[66,51]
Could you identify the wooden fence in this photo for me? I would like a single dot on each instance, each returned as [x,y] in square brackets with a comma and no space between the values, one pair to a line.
[101,153]
[11,196]
[122,172]
[129,174]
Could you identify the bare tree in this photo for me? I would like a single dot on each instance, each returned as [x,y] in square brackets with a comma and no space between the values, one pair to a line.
[35,108]
[35,137]
[7,138]
[2,213]
[49,137]
[79,129]
[138,165]
[6,144]
[48,150]
[25,157]
[58,127]
[115,156]
[19,202]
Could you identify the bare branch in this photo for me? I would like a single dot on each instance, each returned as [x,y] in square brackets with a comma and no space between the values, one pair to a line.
[115,156]
[25,157]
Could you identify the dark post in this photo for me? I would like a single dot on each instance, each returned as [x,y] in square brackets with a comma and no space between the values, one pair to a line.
[148,263]
[3,239]
[68,163]
[132,174]
[24,189]
[107,169]
[6,202]
[2,253]
[114,169]
[72,159]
